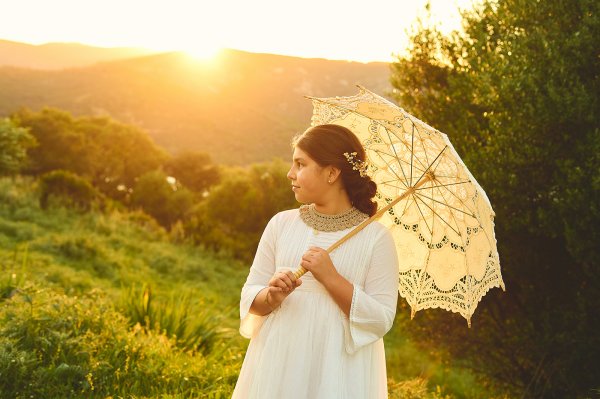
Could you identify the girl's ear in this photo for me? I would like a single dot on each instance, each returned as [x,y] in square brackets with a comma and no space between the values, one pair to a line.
[333,174]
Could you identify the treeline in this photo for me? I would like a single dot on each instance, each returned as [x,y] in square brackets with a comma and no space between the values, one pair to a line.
[98,163]
[518,94]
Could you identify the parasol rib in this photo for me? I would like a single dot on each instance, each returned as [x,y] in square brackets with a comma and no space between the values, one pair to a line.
[423,145]
[454,218]
[444,185]
[391,169]
[432,162]
[379,152]
[396,156]
[456,196]
[437,214]
[424,219]
[403,142]
[445,204]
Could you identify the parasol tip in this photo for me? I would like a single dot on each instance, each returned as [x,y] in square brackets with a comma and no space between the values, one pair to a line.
[469,322]
[412,313]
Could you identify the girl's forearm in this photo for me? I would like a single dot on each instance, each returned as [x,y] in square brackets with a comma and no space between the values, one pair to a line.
[341,290]
[263,303]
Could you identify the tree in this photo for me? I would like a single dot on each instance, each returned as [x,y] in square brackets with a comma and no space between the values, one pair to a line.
[194,170]
[236,211]
[60,144]
[166,202]
[14,142]
[108,153]
[517,93]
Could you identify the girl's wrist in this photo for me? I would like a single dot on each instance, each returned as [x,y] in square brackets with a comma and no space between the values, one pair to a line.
[269,302]
[331,280]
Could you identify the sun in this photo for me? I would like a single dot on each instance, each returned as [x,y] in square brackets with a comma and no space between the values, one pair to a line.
[202,51]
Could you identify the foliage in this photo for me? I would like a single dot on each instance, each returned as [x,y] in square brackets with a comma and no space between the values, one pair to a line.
[53,345]
[191,326]
[414,389]
[67,188]
[62,330]
[76,312]
[517,93]
[110,154]
[236,211]
[194,170]
[14,142]
[164,201]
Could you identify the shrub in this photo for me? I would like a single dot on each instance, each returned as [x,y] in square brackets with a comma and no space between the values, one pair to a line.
[235,212]
[55,346]
[191,327]
[14,142]
[166,202]
[67,188]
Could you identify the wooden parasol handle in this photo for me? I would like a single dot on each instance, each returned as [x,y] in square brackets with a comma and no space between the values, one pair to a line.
[301,271]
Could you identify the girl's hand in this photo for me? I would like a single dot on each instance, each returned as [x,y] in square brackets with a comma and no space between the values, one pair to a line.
[317,261]
[281,285]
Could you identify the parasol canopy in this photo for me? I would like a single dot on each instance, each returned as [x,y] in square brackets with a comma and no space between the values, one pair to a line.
[440,217]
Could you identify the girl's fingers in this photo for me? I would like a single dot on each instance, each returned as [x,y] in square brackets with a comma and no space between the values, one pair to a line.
[277,283]
[292,278]
[286,280]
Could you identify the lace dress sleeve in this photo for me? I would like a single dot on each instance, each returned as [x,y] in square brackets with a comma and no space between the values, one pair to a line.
[261,271]
[374,307]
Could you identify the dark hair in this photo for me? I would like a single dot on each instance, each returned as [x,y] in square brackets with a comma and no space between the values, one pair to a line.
[326,144]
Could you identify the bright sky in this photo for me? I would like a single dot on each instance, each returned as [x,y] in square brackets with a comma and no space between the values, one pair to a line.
[360,30]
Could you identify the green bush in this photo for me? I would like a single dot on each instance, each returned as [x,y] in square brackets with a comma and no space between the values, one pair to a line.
[164,201]
[55,346]
[67,188]
[191,326]
[233,216]
[14,142]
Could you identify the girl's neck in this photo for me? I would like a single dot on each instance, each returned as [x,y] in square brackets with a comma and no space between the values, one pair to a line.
[334,206]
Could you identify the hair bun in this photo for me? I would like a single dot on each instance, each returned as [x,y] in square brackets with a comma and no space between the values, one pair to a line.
[362,194]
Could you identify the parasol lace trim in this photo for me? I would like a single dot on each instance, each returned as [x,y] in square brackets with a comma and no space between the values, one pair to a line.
[329,223]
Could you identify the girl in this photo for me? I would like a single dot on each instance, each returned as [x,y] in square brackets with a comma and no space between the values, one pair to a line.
[320,336]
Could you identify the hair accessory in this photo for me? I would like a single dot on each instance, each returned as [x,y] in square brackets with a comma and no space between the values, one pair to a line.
[360,166]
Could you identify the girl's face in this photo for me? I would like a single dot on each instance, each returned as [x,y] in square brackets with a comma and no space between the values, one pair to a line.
[309,179]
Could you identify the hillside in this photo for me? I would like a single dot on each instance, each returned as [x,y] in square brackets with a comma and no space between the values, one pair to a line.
[98,305]
[241,107]
[61,55]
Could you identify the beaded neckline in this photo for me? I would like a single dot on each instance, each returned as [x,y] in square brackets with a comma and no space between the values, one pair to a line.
[322,222]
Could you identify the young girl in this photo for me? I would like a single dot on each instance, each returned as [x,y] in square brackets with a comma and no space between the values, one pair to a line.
[320,336]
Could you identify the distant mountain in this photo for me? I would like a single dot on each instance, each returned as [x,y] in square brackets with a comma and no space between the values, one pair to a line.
[241,107]
[61,55]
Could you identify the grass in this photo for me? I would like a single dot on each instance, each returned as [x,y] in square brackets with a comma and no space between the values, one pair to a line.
[109,305]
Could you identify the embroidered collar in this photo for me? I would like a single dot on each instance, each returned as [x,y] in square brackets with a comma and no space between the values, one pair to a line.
[322,222]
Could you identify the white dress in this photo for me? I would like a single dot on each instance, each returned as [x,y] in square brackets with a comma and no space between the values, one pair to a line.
[308,348]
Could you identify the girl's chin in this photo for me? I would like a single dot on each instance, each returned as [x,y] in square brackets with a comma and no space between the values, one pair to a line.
[300,198]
